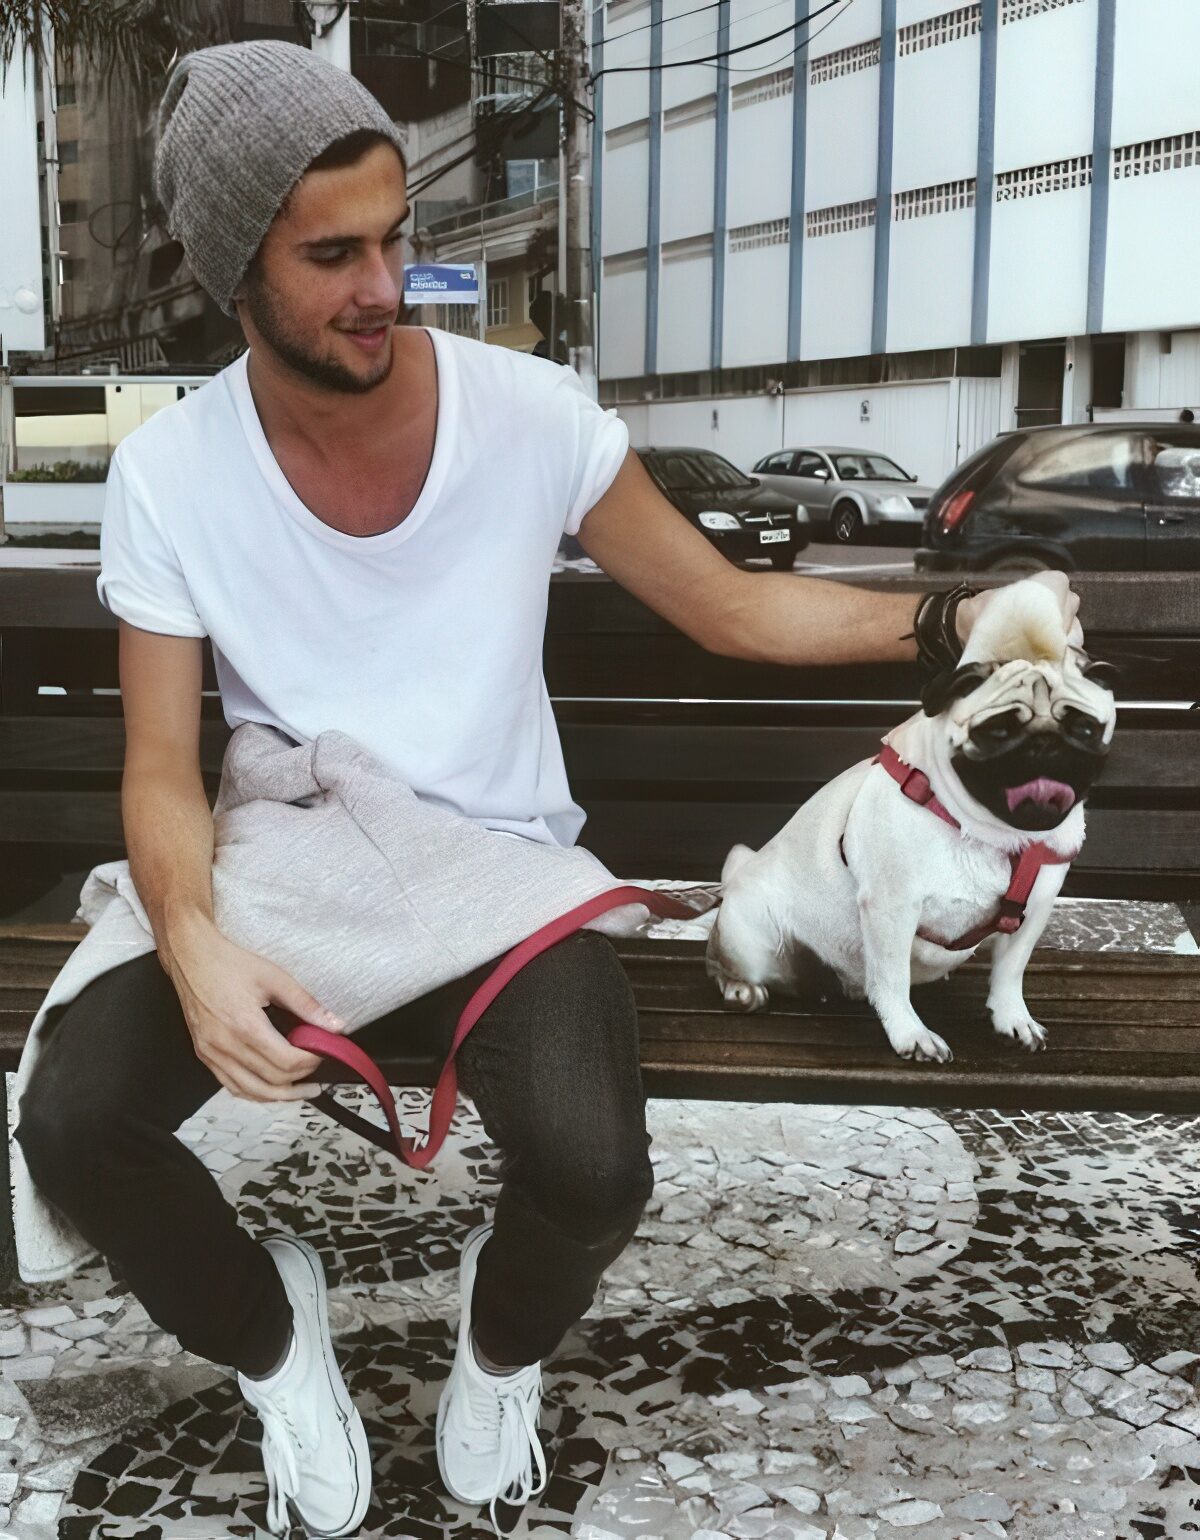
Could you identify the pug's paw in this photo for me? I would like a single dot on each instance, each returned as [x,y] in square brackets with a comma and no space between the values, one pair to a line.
[918,1042]
[740,996]
[1021,1027]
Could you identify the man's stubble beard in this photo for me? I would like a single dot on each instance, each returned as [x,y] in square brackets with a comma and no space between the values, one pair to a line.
[323,370]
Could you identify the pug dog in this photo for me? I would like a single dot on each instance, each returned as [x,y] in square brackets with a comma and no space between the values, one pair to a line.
[878,887]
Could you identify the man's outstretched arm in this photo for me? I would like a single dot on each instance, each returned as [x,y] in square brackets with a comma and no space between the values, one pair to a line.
[639,539]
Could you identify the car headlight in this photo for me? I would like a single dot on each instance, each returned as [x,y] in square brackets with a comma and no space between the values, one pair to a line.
[893,504]
[719,521]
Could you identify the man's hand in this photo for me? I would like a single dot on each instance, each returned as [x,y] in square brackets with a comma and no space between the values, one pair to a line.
[1059,584]
[223,989]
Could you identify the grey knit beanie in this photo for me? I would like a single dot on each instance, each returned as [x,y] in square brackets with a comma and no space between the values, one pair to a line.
[238,126]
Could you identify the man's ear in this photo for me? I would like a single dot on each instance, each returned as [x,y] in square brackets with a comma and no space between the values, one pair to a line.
[952,685]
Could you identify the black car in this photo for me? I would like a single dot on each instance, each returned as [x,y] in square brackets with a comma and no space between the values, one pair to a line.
[1083,497]
[742,519]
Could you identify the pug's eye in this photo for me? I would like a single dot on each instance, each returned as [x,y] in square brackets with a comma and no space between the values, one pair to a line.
[997,732]
[1081,729]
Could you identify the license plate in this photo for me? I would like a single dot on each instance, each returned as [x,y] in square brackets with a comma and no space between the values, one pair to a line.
[770,536]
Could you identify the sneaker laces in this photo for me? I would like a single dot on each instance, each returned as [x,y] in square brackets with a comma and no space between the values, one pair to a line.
[505,1415]
[279,1444]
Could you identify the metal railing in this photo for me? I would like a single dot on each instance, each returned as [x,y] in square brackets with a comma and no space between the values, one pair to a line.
[482,213]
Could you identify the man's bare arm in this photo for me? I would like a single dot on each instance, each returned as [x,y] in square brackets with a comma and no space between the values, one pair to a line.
[223,988]
[639,539]
[167,820]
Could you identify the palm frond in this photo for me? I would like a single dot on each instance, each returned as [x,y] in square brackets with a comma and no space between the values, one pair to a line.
[134,40]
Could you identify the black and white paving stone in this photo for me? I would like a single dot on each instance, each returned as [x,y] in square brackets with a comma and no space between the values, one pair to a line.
[834,1322]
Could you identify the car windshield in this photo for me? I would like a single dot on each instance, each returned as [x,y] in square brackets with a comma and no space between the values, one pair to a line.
[865,467]
[685,470]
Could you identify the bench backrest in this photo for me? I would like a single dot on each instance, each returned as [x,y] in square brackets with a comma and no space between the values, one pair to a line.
[675,753]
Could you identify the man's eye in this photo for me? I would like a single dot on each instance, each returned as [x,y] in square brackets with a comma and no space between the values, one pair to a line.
[329,258]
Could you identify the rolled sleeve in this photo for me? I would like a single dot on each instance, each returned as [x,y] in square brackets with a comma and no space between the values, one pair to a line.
[140,576]
[601,444]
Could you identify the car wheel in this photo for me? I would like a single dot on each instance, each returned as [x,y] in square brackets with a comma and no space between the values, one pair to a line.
[847,523]
[783,561]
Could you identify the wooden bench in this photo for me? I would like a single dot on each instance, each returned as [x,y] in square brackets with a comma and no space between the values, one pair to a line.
[676,754]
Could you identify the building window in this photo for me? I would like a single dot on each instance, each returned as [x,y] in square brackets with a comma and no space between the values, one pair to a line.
[940,199]
[65,93]
[845,61]
[764,89]
[771,232]
[70,211]
[840,217]
[1057,176]
[1156,155]
[68,152]
[947,28]
[461,320]
[497,302]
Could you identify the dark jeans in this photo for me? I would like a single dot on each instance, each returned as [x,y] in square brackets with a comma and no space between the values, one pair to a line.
[552,1067]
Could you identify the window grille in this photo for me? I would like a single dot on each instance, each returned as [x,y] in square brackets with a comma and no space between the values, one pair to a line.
[947,28]
[770,232]
[1018,10]
[764,89]
[939,199]
[839,218]
[844,61]
[1154,155]
[1032,181]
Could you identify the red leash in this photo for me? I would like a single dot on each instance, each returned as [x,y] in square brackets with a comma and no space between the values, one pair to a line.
[1025,864]
[345,1050]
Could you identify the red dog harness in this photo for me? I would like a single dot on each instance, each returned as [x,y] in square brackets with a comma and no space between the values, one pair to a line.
[331,1045]
[1026,864]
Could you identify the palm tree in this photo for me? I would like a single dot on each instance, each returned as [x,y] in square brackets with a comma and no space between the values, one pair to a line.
[132,41]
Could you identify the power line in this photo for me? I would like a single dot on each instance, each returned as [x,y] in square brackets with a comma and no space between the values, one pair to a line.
[749,69]
[724,53]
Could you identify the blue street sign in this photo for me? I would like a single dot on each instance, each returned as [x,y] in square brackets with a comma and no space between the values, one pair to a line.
[446,283]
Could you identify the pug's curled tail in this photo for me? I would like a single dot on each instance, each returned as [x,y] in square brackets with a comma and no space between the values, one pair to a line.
[734,861]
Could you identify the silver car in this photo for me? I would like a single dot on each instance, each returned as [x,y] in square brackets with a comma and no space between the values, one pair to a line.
[852,489]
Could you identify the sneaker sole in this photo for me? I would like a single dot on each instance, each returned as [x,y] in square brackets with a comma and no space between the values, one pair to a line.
[464,1301]
[352,1421]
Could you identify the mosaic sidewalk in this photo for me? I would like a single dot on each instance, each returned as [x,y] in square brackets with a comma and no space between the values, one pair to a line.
[833,1322]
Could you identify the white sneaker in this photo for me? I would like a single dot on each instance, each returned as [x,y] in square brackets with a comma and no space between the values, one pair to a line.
[314,1444]
[487,1442]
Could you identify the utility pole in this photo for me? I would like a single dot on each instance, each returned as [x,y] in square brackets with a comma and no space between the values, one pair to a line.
[574,234]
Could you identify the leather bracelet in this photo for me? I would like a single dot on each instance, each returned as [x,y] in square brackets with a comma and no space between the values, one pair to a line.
[934,629]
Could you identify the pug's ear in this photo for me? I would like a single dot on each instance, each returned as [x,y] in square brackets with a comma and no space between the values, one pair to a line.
[952,685]
[1106,675]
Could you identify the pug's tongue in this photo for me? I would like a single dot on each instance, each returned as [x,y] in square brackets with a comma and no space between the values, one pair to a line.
[1045,791]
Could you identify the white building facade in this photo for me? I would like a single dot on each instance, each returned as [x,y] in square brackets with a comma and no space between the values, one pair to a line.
[924,225]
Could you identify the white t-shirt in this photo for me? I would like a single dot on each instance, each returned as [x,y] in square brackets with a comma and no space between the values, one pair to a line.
[423,643]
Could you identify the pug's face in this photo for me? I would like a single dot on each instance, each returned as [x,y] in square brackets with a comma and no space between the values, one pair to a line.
[1027,740]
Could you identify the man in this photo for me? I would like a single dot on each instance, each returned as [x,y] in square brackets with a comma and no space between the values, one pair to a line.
[363,521]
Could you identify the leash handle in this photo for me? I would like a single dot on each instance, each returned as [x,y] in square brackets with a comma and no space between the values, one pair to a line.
[332,1045]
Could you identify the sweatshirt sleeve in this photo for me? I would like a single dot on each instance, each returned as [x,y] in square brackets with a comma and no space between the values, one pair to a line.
[140,577]
[601,442]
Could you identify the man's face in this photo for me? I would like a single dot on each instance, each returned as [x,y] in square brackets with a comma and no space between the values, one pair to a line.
[324,291]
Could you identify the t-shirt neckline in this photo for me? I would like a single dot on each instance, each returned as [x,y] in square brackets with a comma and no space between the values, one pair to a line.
[239,384]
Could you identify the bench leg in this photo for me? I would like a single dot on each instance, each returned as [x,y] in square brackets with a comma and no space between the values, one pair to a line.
[8,1249]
